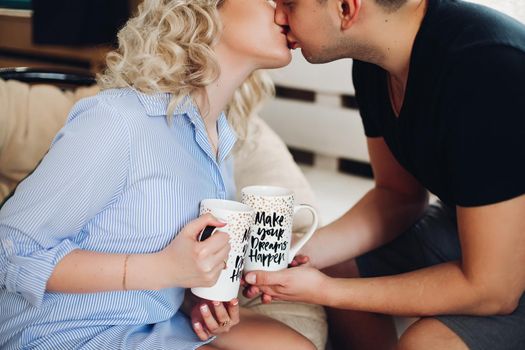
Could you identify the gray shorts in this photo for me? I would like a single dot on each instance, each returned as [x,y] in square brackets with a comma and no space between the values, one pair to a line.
[434,240]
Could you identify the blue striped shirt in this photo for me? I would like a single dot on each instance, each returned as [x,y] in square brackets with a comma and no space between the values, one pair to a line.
[118,178]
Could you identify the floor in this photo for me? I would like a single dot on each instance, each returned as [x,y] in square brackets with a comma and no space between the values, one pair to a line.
[336,193]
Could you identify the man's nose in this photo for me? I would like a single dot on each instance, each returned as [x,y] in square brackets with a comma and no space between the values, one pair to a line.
[280,16]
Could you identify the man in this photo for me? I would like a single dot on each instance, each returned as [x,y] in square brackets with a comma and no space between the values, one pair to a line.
[440,87]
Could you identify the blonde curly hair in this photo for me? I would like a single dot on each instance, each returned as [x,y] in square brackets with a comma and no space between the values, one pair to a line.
[168,47]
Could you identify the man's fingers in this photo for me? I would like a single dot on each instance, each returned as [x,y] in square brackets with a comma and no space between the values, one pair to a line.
[299,260]
[302,259]
[264,278]
[269,294]
[251,292]
[266,299]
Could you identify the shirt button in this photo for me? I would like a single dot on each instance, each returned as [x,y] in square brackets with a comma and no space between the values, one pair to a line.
[8,244]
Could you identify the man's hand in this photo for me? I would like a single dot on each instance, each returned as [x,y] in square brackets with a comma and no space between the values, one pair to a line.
[251,292]
[303,284]
[300,260]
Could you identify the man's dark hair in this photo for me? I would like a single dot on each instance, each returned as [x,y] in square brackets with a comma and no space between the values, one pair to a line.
[391,5]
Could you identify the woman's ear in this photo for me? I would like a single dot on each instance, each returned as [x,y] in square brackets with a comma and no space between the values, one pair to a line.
[348,12]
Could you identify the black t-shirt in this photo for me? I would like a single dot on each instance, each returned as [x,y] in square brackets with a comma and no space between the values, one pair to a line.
[461,129]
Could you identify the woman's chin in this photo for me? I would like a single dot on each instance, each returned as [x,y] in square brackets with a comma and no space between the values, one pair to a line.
[280,59]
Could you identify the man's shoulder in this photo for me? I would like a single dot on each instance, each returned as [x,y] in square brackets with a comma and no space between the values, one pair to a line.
[456,26]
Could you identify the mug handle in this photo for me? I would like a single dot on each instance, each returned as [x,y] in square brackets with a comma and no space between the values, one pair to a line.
[299,244]
[207,233]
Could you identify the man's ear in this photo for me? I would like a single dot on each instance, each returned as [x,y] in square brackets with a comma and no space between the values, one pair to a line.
[348,11]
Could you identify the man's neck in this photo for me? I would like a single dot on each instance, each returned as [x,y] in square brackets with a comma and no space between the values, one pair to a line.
[395,38]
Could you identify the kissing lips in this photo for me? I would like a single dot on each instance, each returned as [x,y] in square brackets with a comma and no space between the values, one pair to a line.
[292,45]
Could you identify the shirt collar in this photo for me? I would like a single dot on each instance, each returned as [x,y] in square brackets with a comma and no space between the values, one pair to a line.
[156,105]
[227,137]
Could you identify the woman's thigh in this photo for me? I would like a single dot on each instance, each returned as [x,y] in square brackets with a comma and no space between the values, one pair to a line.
[257,331]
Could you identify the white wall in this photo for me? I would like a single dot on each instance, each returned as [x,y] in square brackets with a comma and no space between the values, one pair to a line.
[323,127]
[514,8]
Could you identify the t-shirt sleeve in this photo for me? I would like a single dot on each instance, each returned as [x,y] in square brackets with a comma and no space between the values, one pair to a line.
[485,103]
[362,78]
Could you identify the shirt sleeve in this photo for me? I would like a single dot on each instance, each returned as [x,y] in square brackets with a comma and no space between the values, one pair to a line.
[486,143]
[363,79]
[83,172]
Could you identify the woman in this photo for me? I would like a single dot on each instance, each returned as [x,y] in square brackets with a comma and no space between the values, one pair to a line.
[98,244]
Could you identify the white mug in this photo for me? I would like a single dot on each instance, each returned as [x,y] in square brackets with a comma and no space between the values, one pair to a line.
[270,247]
[238,218]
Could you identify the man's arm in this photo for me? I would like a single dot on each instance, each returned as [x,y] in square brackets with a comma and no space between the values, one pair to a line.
[396,202]
[489,280]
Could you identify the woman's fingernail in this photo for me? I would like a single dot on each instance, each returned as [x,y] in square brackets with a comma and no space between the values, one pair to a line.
[204,308]
[197,325]
[216,303]
[234,302]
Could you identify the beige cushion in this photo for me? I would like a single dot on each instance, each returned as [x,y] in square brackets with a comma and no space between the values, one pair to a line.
[30,116]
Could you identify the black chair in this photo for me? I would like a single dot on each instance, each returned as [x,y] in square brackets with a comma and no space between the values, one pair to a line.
[65,78]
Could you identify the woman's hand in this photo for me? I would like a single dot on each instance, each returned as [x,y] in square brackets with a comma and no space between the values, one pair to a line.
[210,318]
[213,318]
[188,263]
[303,284]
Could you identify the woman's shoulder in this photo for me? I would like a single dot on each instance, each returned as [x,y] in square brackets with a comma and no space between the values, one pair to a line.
[109,108]
[106,115]
[119,101]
